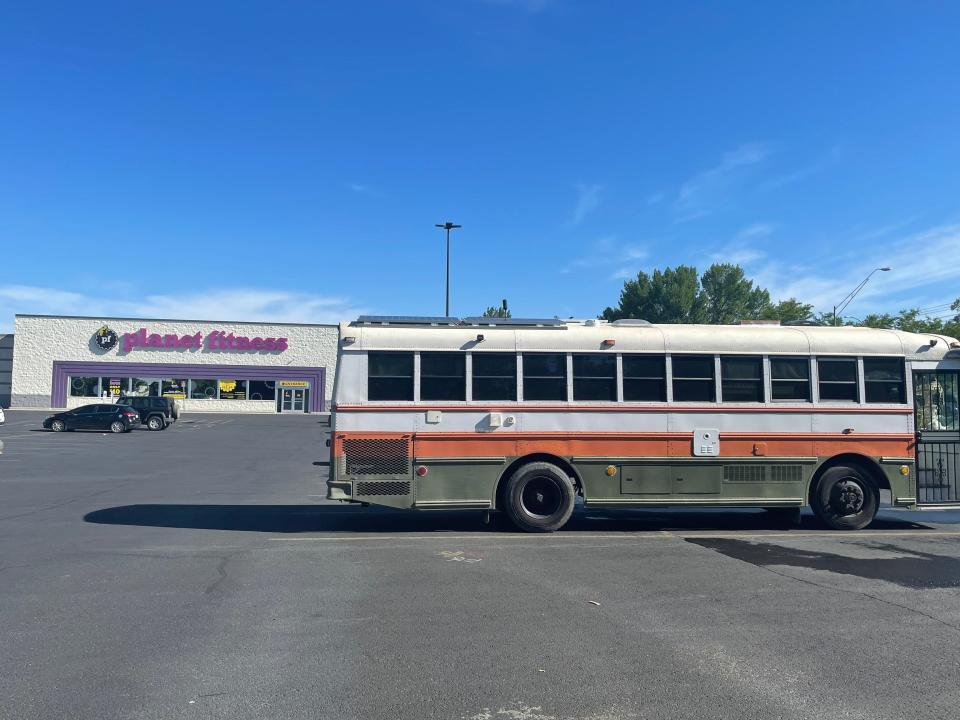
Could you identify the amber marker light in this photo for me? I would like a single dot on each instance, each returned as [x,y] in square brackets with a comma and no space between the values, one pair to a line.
[611,470]
[904,469]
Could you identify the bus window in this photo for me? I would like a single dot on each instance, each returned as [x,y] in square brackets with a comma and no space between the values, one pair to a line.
[494,376]
[838,379]
[884,380]
[390,376]
[595,377]
[790,379]
[544,376]
[693,378]
[741,379]
[645,378]
[443,376]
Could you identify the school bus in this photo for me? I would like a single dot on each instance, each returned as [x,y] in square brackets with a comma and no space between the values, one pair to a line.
[523,416]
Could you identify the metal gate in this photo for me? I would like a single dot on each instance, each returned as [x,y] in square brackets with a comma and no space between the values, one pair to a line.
[936,397]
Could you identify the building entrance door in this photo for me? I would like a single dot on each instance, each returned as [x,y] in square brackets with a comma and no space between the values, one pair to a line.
[293,400]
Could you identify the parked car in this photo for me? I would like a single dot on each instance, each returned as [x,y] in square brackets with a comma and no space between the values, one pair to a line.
[155,412]
[107,416]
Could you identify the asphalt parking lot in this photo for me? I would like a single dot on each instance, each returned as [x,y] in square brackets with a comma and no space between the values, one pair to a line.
[199,573]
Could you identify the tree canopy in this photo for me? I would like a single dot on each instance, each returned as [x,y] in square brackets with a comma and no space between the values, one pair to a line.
[722,295]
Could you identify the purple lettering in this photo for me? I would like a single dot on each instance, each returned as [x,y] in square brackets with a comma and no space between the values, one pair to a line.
[257,343]
[186,341]
[243,343]
[212,340]
[130,341]
[281,344]
[154,340]
[171,341]
[198,341]
[230,345]
[270,344]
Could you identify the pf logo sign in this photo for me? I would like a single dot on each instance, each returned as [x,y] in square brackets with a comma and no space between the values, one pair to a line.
[106,338]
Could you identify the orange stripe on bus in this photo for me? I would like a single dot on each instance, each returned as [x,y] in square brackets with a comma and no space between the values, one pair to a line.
[443,445]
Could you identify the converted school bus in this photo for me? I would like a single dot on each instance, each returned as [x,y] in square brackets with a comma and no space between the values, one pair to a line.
[524,415]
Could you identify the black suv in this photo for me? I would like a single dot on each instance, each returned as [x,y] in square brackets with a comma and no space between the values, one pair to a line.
[155,412]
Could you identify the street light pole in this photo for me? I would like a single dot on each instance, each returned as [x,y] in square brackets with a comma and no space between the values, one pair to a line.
[448,226]
[842,305]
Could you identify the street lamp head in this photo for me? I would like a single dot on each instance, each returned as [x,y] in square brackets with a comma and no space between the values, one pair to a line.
[448,226]
[884,269]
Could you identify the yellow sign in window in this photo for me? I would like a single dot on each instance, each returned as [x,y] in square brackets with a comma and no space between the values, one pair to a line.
[294,383]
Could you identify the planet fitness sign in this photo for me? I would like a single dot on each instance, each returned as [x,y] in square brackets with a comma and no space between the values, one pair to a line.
[216,341]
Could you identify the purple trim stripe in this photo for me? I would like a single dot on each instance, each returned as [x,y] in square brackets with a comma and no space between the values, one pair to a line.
[62,369]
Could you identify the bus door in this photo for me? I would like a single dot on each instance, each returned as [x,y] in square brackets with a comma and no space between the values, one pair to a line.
[935,395]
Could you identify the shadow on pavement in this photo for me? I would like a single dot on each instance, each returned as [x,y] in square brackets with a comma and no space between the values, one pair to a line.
[347,519]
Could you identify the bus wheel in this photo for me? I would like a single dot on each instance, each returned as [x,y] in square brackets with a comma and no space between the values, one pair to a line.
[540,497]
[845,498]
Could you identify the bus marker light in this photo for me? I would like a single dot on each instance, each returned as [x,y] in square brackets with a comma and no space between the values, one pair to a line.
[421,470]
[611,470]
[904,470]
[609,342]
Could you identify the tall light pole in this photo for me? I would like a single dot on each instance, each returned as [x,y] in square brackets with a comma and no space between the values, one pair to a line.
[842,305]
[448,226]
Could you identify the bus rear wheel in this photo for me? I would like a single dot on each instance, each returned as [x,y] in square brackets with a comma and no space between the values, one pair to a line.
[540,497]
[845,498]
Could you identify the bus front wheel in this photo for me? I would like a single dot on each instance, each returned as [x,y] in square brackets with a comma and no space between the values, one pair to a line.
[845,498]
[540,497]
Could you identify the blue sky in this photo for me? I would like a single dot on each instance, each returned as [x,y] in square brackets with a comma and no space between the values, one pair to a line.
[289,160]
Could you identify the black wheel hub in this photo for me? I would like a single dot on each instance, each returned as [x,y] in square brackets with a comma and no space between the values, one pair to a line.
[541,497]
[847,497]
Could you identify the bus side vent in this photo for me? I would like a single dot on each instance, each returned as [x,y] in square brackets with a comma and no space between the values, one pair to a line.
[743,473]
[786,473]
[377,456]
[366,489]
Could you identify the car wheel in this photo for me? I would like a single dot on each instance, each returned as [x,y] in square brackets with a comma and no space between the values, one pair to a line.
[155,423]
[540,497]
[845,499]
[58,426]
[117,427]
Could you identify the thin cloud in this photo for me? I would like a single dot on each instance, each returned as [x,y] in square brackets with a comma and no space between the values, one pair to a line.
[227,304]
[588,200]
[609,252]
[530,6]
[755,230]
[804,172]
[704,192]
[919,274]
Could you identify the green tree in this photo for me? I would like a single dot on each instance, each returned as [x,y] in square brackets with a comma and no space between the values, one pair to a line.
[497,312]
[673,295]
[728,295]
[790,310]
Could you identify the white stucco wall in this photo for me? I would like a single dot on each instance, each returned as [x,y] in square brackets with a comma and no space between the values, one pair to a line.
[42,339]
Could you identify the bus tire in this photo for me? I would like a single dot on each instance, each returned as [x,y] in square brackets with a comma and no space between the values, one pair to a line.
[539,497]
[845,498]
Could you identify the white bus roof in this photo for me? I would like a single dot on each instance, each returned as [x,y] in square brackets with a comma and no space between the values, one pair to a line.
[594,336]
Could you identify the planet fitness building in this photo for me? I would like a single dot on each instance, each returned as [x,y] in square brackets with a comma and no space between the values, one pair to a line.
[63,362]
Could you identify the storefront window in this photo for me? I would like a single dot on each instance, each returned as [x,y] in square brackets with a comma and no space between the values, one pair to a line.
[231,389]
[174,388]
[203,389]
[145,386]
[84,386]
[113,387]
[262,389]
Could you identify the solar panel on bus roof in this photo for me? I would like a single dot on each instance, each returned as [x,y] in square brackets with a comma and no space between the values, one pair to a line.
[407,320]
[548,322]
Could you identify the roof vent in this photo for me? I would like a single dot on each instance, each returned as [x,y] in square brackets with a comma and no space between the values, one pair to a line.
[775,323]
[631,322]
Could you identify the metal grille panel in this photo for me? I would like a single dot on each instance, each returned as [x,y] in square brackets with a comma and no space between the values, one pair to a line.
[376,456]
[367,488]
[786,473]
[743,473]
